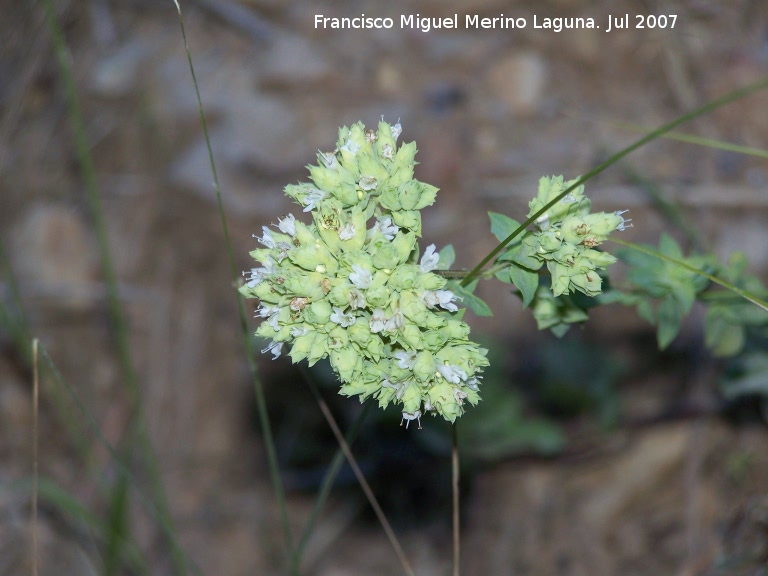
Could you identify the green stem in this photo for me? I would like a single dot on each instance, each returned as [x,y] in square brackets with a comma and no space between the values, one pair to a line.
[120,462]
[130,380]
[709,107]
[456,499]
[266,428]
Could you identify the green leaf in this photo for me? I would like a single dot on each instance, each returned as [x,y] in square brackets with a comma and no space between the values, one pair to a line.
[499,427]
[645,311]
[477,305]
[752,377]
[684,291]
[525,281]
[669,319]
[502,226]
[669,247]
[721,336]
[522,253]
[447,257]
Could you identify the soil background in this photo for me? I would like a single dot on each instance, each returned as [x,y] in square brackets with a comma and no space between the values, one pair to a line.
[673,484]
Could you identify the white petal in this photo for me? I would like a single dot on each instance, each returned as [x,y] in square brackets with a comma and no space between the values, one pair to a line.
[429,259]
[287,225]
[360,277]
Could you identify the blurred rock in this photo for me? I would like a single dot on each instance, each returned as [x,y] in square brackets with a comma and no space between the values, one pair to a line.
[258,140]
[518,81]
[292,61]
[53,252]
[116,74]
[15,417]
[57,556]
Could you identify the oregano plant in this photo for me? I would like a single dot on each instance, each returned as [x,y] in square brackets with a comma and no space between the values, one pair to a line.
[353,285]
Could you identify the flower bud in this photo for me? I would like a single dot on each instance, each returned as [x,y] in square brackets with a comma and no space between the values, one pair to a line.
[424,366]
[318,313]
[408,219]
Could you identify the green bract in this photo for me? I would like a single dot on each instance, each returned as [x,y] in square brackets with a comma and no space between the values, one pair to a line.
[349,285]
[567,235]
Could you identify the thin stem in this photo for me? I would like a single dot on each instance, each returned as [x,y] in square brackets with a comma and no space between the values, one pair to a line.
[456,499]
[709,107]
[150,504]
[325,489]
[130,379]
[35,452]
[261,403]
[360,477]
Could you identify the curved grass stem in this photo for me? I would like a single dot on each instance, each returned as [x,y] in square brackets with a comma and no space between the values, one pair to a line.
[706,108]
[266,428]
[712,278]
[372,500]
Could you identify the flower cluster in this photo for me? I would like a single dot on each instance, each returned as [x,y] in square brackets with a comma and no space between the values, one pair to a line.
[567,235]
[350,285]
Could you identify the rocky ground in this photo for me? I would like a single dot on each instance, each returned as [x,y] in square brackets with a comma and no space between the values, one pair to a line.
[671,487]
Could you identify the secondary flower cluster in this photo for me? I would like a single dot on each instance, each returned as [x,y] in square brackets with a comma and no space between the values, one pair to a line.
[567,235]
[350,286]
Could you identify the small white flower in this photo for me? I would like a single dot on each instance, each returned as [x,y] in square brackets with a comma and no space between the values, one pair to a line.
[368,183]
[625,222]
[360,277]
[405,359]
[284,248]
[442,298]
[387,151]
[328,159]
[453,374]
[270,312]
[396,129]
[543,222]
[350,146]
[296,331]
[312,199]
[409,417]
[459,396]
[397,320]
[387,228]
[398,388]
[348,232]
[266,239]
[257,275]
[356,299]
[384,226]
[473,383]
[429,259]
[287,225]
[342,319]
[387,384]
[276,348]
[377,321]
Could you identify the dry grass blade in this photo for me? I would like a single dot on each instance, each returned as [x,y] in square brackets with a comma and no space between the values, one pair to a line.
[360,478]
[35,442]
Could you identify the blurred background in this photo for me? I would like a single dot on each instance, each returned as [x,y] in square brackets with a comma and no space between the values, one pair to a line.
[595,454]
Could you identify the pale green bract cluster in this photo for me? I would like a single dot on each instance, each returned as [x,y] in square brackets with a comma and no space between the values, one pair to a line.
[349,286]
[567,234]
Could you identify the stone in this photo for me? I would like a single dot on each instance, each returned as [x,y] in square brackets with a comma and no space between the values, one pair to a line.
[517,81]
[293,61]
[257,140]
[54,253]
